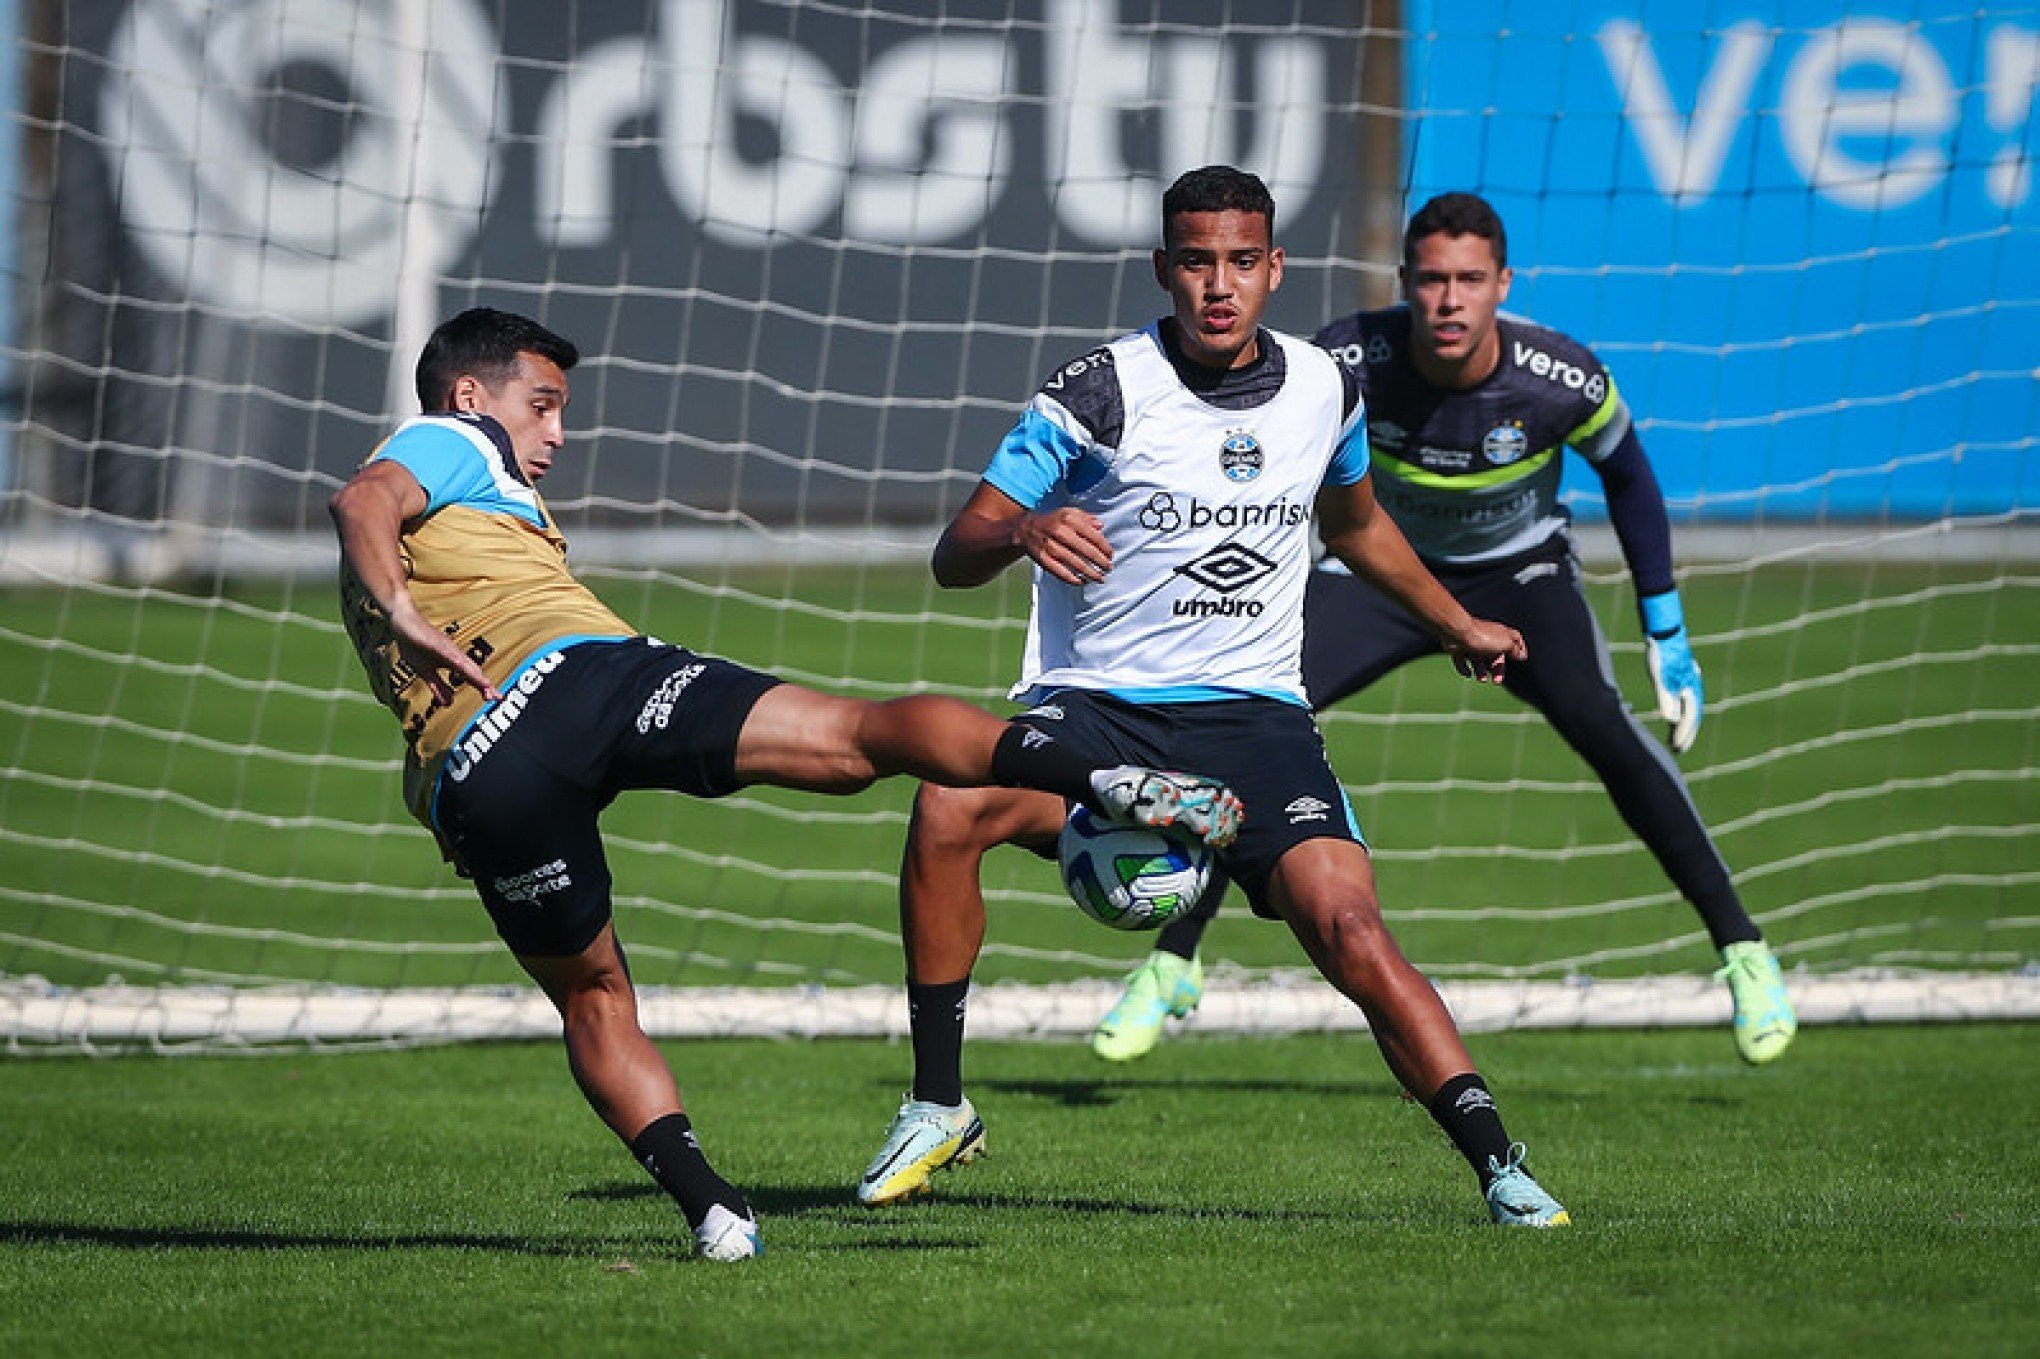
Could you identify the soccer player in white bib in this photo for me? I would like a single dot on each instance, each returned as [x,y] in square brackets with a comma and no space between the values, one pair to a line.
[1470,411]
[528,706]
[1163,488]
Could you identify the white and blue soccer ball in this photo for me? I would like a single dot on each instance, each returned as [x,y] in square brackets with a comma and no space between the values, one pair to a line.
[1129,877]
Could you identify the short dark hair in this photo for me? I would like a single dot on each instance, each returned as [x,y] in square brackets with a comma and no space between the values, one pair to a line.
[1457,214]
[1217,188]
[484,343]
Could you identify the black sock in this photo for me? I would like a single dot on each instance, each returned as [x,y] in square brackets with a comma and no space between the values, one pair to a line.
[1182,935]
[1027,758]
[668,1152]
[1466,1111]
[935,1016]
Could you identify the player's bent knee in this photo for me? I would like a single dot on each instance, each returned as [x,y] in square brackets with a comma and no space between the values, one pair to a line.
[1600,723]
[600,1000]
[954,818]
[972,820]
[1342,926]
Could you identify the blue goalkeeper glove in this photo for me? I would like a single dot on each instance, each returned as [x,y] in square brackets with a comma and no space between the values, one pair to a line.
[1673,671]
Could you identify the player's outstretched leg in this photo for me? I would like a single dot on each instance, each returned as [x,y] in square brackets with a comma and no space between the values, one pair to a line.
[1325,890]
[1571,684]
[1764,1019]
[798,738]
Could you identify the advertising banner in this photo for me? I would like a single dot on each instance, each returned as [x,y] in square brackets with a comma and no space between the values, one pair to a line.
[1804,235]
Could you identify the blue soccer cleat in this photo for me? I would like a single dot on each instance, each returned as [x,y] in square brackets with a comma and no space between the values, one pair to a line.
[1516,1200]
[923,1139]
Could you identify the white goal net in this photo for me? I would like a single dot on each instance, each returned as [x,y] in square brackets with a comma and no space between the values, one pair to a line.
[817,255]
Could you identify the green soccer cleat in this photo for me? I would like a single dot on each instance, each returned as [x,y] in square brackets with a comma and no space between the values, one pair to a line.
[923,1139]
[724,1236]
[1516,1200]
[1764,1021]
[1161,986]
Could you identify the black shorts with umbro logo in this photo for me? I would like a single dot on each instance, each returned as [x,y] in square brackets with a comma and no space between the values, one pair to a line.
[518,800]
[1269,752]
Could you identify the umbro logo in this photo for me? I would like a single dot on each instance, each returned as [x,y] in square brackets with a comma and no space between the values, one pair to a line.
[1228,567]
[1307,808]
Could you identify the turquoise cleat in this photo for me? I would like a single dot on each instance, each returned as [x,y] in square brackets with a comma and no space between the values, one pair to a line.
[1516,1200]
[1163,985]
[923,1139]
[1764,1021]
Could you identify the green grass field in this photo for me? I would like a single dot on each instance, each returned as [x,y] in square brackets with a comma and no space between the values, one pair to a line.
[1876,1194]
[198,788]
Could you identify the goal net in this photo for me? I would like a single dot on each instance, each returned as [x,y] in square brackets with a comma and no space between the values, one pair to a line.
[817,255]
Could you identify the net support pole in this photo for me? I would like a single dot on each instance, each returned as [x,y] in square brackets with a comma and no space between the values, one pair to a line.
[417,291]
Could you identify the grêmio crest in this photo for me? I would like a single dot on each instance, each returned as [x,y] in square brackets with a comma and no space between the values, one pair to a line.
[1240,456]
[1505,444]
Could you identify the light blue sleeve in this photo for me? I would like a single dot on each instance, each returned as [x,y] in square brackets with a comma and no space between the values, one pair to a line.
[1033,459]
[1351,459]
[449,467]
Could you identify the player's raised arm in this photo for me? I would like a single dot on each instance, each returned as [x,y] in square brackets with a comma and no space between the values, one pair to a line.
[1636,507]
[993,530]
[369,513]
[1360,534]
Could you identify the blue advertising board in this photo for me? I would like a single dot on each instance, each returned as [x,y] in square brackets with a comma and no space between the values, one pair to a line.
[1804,234]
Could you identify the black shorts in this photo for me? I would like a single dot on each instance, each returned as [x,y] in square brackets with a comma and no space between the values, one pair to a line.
[1353,635]
[1269,752]
[518,800]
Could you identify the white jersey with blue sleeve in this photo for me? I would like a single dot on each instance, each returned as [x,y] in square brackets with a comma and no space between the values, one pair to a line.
[1204,482]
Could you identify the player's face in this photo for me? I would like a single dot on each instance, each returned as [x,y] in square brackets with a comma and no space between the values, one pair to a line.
[1454,288]
[531,406]
[1218,268]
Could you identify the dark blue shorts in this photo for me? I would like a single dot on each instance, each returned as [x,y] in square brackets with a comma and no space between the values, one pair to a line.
[518,801]
[1267,751]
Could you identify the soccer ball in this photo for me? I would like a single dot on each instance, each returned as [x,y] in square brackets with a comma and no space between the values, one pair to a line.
[1129,877]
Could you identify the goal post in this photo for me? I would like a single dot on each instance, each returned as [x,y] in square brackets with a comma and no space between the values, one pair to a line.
[817,255]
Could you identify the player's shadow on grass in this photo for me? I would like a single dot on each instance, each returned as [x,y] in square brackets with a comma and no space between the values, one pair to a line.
[837,1201]
[784,1201]
[1137,1208]
[1104,1090]
[241,1238]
